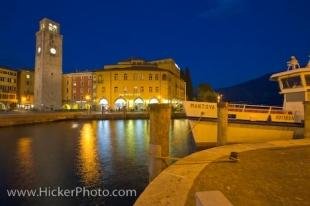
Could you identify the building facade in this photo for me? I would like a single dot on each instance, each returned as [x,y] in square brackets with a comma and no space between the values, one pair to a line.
[25,89]
[77,90]
[48,66]
[135,83]
[8,88]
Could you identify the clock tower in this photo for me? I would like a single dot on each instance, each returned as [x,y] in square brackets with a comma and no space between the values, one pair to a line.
[48,66]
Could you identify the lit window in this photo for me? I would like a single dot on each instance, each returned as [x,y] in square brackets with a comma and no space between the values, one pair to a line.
[52,27]
[42,26]
[27,76]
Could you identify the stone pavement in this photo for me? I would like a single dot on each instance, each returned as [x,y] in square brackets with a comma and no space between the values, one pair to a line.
[176,184]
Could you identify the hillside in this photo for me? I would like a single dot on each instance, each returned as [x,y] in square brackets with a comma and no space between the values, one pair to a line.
[256,91]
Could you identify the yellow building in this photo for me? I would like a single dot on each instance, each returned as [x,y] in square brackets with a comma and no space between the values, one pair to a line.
[135,83]
[25,88]
[8,88]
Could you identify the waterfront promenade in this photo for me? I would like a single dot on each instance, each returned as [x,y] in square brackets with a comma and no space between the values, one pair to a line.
[270,173]
[22,118]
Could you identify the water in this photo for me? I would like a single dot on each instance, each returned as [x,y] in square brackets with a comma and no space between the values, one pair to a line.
[92,154]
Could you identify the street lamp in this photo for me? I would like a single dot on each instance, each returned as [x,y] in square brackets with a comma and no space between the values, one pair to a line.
[219,98]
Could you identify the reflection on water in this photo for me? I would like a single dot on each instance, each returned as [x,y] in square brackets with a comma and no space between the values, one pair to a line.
[89,164]
[25,168]
[97,154]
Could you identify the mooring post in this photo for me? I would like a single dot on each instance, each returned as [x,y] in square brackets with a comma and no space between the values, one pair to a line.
[307,119]
[222,123]
[160,116]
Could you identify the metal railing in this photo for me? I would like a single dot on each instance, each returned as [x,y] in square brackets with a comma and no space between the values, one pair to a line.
[257,109]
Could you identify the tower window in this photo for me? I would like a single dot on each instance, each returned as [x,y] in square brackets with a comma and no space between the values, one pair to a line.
[52,27]
[115,76]
[125,76]
[150,77]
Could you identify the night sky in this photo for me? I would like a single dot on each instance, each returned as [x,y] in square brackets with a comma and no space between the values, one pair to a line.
[223,42]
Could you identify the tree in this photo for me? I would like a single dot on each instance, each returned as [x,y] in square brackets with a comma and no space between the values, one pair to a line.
[186,76]
[206,93]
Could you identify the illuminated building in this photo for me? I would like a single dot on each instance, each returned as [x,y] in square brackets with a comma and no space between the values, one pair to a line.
[25,89]
[8,88]
[77,90]
[48,66]
[135,83]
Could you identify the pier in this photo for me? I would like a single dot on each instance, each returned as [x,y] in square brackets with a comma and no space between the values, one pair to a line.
[183,179]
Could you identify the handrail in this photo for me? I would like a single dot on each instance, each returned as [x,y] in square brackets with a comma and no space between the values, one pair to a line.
[257,108]
[253,105]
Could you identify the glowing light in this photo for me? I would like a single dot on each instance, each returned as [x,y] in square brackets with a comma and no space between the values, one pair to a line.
[74,125]
[88,154]
[87,97]
[24,99]
[154,101]
[103,102]
[53,50]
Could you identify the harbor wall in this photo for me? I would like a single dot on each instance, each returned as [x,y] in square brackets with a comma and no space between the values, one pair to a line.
[33,118]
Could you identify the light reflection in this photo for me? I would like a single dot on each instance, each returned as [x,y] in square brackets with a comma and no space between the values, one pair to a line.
[74,125]
[89,159]
[25,159]
[130,138]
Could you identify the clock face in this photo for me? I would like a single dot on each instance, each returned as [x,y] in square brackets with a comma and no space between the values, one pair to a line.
[53,50]
[39,50]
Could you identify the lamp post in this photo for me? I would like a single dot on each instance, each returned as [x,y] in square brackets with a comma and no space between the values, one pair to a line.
[219,98]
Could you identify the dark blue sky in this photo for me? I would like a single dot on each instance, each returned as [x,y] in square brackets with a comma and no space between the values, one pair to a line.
[223,42]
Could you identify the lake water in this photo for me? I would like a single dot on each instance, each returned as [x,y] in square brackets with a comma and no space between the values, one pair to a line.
[91,154]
